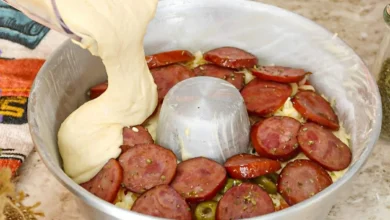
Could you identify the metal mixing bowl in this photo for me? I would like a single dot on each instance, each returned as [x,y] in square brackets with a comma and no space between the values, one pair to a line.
[274,35]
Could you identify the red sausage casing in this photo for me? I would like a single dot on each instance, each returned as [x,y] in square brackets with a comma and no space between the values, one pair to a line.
[168,57]
[107,182]
[136,135]
[146,166]
[163,201]
[237,79]
[316,109]
[231,57]
[247,166]
[279,74]
[168,76]
[97,90]
[321,145]
[199,179]
[302,179]
[244,201]
[264,97]
[276,137]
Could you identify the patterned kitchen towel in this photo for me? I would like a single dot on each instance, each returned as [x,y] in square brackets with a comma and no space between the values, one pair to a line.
[23,46]
[16,77]
[16,27]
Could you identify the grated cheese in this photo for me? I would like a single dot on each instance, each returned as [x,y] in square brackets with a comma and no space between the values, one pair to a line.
[288,110]
[124,199]
[306,87]
[294,88]
[247,75]
[276,198]
[199,60]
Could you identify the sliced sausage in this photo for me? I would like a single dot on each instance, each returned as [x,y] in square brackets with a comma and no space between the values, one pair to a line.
[168,76]
[136,135]
[231,57]
[244,201]
[322,146]
[276,137]
[146,166]
[316,109]
[245,166]
[237,79]
[124,148]
[107,182]
[302,179]
[279,74]
[162,201]
[169,57]
[97,90]
[264,97]
[199,179]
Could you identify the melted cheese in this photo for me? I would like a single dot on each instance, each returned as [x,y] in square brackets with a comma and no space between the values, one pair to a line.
[125,199]
[199,60]
[288,110]
[247,75]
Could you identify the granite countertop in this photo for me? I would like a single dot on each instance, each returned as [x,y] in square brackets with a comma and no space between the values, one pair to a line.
[359,23]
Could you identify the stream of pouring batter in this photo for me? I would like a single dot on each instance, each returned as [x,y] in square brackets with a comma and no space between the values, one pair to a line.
[113,30]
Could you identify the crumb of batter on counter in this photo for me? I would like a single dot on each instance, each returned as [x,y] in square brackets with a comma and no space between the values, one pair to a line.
[11,203]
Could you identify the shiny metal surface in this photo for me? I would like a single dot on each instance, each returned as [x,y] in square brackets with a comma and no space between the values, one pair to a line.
[204,117]
[274,35]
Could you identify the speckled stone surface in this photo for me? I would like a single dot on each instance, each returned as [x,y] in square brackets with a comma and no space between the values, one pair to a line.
[359,23]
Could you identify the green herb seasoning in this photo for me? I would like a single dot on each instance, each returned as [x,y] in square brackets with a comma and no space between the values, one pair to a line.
[384,89]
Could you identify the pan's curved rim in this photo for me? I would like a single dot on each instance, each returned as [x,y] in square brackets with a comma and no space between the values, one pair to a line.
[124,214]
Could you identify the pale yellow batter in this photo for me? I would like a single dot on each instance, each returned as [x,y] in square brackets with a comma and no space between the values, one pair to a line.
[113,30]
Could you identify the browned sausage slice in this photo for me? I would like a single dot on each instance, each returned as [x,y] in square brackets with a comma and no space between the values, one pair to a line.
[264,97]
[107,182]
[136,135]
[168,76]
[276,137]
[302,179]
[97,90]
[231,57]
[279,74]
[237,79]
[199,179]
[169,57]
[162,201]
[322,146]
[244,201]
[316,109]
[146,166]
[246,166]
